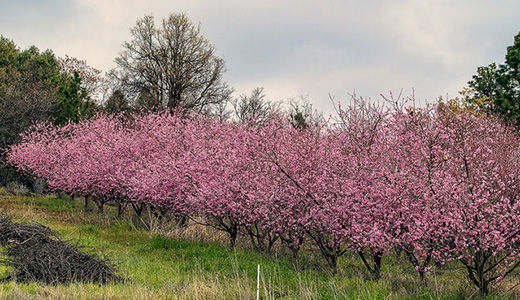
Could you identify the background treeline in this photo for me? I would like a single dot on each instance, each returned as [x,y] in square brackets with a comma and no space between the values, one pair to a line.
[34,87]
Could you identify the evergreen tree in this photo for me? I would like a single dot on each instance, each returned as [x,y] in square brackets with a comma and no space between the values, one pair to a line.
[497,87]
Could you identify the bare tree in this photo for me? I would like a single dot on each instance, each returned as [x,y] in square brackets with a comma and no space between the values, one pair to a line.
[302,114]
[92,79]
[172,66]
[254,108]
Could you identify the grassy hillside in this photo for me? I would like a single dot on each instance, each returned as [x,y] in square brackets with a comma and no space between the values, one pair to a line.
[195,263]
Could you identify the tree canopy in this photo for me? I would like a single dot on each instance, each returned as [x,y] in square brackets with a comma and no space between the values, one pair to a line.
[34,88]
[171,66]
[497,87]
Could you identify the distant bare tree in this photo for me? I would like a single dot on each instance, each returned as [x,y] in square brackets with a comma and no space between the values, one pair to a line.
[302,114]
[254,108]
[172,65]
[92,79]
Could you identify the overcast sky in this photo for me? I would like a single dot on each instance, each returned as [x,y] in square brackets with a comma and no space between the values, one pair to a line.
[294,48]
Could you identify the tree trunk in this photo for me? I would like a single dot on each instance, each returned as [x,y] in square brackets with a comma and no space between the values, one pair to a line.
[86,203]
[6,176]
[375,268]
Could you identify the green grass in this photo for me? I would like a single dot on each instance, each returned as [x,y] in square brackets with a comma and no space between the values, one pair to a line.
[51,203]
[159,267]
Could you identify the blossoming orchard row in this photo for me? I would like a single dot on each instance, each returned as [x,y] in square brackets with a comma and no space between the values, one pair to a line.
[435,183]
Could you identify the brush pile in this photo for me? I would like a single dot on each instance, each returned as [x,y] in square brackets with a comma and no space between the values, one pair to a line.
[34,252]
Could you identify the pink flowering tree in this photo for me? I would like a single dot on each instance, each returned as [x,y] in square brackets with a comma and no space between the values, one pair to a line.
[361,213]
[80,159]
[39,151]
[414,168]
[308,195]
[481,211]
[226,180]
[158,176]
[285,161]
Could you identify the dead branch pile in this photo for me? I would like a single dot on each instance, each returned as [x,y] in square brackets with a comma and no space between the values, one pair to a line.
[34,252]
